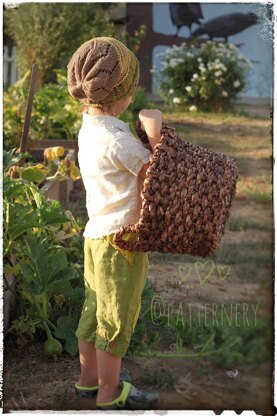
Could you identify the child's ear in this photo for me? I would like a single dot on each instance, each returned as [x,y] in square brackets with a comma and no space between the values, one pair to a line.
[83,108]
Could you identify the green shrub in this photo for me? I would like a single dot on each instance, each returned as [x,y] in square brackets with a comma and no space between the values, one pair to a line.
[48,33]
[14,104]
[205,77]
[55,114]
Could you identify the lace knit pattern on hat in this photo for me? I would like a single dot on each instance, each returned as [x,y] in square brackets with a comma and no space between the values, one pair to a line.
[102,71]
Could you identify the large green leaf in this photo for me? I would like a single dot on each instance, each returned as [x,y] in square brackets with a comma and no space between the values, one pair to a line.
[27,200]
[34,290]
[74,296]
[67,274]
[10,158]
[13,187]
[51,213]
[56,262]
[18,219]
[61,282]
[66,327]
[48,264]
[35,193]
[58,287]
[28,272]
[18,229]
[34,173]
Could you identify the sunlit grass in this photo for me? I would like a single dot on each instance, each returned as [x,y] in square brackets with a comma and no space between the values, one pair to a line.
[258,253]
[237,140]
[251,272]
[256,188]
[230,117]
[243,224]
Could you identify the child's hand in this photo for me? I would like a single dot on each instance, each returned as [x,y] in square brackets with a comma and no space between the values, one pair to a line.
[151,121]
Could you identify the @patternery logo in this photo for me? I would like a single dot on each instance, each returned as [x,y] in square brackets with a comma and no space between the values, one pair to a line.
[208,314]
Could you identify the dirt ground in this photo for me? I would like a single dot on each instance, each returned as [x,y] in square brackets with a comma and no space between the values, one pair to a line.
[32,382]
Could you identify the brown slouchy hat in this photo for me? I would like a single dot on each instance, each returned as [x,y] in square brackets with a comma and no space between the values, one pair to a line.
[102,71]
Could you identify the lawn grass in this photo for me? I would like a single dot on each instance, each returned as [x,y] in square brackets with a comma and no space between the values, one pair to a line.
[249,142]
[242,224]
[257,188]
[227,117]
[258,253]
[235,140]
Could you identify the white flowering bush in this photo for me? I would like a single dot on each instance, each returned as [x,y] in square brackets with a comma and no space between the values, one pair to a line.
[204,77]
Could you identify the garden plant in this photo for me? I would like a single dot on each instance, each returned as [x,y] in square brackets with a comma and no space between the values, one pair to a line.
[207,76]
[42,250]
[55,114]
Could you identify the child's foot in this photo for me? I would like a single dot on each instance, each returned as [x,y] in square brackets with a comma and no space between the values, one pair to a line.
[85,392]
[90,389]
[130,398]
[86,388]
[85,383]
[106,396]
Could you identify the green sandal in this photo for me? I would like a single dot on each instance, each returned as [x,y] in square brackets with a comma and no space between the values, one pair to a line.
[131,398]
[85,392]
[90,392]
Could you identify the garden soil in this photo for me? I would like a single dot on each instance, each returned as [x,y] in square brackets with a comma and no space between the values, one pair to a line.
[33,382]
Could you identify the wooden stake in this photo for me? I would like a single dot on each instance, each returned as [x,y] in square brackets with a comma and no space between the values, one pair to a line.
[27,120]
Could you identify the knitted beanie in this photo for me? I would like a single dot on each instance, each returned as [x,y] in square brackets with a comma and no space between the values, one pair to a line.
[102,71]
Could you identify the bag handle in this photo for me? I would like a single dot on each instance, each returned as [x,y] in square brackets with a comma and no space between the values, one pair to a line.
[127,245]
[142,136]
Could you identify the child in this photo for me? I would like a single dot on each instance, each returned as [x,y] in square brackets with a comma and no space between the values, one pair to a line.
[103,74]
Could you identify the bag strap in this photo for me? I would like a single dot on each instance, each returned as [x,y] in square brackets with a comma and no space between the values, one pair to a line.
[127,245]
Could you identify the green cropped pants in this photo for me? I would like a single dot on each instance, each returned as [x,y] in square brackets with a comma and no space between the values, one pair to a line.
[114,281]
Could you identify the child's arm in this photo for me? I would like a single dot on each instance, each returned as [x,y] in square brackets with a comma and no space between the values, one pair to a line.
[151,121]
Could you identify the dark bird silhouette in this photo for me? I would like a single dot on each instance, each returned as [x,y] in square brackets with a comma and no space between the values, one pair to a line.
[185,14]
[226,25]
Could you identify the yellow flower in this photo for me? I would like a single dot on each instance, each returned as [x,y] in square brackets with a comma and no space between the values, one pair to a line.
[53,153]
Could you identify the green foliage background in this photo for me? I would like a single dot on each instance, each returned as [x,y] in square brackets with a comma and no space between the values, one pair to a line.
[49,33]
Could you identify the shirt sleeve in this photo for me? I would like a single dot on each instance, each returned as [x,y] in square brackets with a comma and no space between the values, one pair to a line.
[130,154]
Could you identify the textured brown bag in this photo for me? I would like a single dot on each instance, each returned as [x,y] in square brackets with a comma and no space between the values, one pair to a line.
[186,199]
